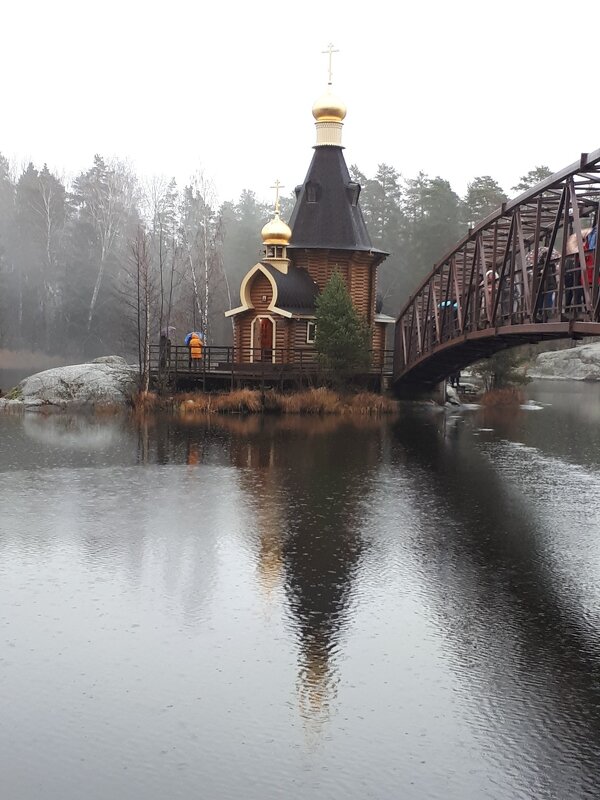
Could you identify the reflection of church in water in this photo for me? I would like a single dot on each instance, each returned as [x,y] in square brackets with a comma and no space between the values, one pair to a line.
[308,533]
[275,318]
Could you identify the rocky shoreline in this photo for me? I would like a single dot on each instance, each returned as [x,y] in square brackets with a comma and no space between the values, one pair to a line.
[105,382]
[580,363]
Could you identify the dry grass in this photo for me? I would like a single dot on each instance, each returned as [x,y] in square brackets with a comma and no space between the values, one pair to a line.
[325,401]
[321,401]
[195,403]
[311,401]
[145,402]
[369,403]
[510,396]
[242,401]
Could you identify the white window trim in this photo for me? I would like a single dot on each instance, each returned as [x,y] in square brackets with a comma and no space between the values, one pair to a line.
[310,323]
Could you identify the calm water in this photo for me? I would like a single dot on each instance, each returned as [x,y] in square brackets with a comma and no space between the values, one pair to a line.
[296,608]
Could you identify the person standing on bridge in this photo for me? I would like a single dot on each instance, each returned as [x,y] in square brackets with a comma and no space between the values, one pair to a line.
[195,346]
[488,290]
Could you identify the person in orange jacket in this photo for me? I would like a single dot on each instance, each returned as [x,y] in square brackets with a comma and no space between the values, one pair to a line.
[195,346]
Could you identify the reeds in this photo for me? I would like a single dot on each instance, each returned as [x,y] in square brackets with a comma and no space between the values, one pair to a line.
[240,401]
[143,402]
[370,403]
[311,401]
[509,396]
[320,401]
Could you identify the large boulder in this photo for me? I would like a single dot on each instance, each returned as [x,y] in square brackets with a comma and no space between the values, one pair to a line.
[106,381]
[452,397]
[575,364]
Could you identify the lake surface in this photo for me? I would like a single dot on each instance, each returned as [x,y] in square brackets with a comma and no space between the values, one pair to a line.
[297,608]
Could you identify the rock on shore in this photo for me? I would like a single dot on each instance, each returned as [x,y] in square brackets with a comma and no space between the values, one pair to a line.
[106,381]
[575,364]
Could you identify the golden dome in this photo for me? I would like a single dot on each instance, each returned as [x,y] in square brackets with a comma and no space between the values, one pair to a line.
[276,231]
[329,108]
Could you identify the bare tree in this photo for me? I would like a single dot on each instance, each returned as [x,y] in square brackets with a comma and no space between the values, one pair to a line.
[106,196]
[201,239]
[161,202]
[142,267]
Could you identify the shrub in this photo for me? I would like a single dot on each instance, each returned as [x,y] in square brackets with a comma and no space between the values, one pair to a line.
[14,394]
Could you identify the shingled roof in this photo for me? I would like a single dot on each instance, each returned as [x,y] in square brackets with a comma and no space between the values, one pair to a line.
[296,291]
[327,214]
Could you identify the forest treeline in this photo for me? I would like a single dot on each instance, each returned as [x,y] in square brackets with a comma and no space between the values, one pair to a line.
[102,263]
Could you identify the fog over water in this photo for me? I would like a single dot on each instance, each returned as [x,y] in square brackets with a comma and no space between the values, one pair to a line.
[324,608]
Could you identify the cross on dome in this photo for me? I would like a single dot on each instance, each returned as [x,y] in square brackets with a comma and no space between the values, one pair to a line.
[277,186]
[329,111]
[330,51]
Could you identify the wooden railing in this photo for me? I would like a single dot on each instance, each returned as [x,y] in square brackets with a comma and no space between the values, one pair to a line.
[169,362]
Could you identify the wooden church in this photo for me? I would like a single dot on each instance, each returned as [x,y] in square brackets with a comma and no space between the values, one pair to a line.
[275,320]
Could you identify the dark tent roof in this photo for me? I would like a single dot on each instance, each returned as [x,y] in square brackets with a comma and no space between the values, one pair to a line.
[296,291]
[327,214]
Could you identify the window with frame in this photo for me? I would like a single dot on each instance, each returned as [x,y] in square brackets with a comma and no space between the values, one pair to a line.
[312,192]
[311,332]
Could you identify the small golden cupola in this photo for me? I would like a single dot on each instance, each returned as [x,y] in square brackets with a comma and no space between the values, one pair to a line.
[276,235]
[329,113]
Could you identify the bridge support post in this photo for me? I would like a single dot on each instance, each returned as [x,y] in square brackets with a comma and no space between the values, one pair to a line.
[422,392]
[439,393]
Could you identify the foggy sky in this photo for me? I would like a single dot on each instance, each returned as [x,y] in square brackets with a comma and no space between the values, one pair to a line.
[452,88]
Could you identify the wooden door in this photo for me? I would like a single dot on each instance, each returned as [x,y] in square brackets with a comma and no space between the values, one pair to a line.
[265,340]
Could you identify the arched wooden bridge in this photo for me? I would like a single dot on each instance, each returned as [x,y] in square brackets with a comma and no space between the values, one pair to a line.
[528,272]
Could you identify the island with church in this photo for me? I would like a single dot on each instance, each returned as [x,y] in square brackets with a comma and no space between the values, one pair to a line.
[275,337]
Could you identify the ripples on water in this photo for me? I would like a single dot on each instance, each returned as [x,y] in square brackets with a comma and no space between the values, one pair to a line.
[302,608]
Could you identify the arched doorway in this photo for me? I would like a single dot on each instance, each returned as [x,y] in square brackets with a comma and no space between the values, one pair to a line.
[263,339]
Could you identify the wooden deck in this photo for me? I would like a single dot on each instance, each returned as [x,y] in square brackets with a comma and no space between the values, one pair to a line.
[223,368]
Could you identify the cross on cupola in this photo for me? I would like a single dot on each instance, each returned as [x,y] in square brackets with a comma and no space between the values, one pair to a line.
[276,235]
[277,186]
[330,51]
[329,111]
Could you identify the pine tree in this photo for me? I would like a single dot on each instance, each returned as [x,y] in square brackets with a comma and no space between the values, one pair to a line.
[533,177]
[484,195]
[342,337]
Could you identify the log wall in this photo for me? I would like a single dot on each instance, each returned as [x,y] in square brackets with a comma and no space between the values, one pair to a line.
[356,268]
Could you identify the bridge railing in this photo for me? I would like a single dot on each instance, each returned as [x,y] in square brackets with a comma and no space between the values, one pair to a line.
[530,263]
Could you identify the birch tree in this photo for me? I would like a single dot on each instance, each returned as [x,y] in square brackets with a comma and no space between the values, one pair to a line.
[105,198]
[139,254]
[201,237]
[161,207]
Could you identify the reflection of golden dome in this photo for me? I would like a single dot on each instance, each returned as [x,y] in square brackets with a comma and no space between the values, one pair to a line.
[329,108]
[276,231]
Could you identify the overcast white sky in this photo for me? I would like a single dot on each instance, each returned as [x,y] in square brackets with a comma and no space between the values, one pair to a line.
[456,88]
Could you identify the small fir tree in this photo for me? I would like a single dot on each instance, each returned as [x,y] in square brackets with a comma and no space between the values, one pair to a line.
[342,336]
